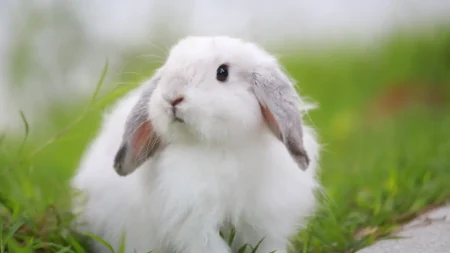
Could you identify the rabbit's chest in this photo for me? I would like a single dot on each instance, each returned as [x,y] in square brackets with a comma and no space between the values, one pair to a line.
[201,178]
[199,172]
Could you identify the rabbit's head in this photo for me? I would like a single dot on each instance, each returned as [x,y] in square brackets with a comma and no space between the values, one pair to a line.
[213,90]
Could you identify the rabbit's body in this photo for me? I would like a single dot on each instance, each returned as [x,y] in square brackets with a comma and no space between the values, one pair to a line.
[179,198]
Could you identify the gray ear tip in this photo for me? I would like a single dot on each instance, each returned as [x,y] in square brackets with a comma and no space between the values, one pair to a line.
[304,164]
[120,170]
[302,159]
[306,159]
[119,160]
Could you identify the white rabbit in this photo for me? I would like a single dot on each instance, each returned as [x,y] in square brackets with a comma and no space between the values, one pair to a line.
[214,139]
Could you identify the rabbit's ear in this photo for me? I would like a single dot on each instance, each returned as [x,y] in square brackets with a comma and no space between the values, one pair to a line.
[280,107]
[139,140]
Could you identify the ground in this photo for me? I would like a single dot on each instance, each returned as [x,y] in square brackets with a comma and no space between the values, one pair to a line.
[383,121]
[427,233]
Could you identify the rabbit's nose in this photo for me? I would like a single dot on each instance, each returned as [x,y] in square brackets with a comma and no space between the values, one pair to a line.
[176,101]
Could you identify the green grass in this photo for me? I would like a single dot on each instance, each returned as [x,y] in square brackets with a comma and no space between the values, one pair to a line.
[378,172]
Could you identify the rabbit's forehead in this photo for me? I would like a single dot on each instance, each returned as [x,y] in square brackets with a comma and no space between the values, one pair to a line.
[199,53]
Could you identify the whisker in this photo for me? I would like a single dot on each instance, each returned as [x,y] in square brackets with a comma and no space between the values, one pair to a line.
[128,135]
[161,49]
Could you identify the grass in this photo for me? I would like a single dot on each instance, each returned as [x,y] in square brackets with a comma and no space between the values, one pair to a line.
[385,156]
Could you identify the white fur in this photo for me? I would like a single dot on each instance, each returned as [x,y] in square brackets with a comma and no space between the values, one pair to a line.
[223,165]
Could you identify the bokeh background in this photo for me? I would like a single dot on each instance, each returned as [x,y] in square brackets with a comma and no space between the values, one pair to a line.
[378,69]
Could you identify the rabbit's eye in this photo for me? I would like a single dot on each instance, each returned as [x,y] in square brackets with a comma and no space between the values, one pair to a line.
[222,73]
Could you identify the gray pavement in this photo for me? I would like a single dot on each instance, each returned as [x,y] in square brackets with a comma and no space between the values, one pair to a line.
[429,233]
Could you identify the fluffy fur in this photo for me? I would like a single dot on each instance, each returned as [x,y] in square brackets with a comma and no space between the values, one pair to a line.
[225,164]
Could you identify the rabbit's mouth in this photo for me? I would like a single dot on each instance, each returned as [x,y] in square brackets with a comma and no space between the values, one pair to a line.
[177,119]
[176,116]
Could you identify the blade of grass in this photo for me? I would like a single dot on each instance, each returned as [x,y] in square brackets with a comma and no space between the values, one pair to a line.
[122,244]
[76,245]
[257,246]
[27,130]
[79,118]
[99,83]
[232,235]
[13,230]
[64,250]
[100,240]
[242,249]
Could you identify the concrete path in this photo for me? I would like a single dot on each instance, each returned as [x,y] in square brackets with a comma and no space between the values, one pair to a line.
[430,233]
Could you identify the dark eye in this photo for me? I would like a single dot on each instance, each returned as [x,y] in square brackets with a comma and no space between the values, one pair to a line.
[222,73]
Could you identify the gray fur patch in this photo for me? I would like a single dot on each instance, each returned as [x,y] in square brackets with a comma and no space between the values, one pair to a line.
[273,89]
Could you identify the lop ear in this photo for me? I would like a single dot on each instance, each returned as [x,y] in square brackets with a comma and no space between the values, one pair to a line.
[280,107]
[139,140]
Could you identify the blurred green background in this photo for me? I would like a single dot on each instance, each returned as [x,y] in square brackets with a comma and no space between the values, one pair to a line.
[383,120]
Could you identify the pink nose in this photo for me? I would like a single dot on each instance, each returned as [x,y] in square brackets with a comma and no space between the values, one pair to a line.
[176,101]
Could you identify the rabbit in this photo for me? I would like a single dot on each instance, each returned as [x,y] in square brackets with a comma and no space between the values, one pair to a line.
[213,140]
